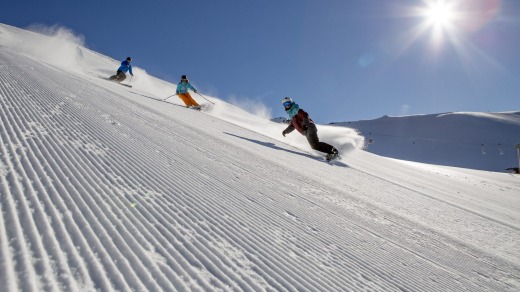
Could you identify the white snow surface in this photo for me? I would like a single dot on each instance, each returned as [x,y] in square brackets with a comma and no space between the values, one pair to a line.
[105,188]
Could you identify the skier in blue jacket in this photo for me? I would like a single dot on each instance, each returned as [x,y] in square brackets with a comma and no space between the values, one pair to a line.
[125,67]
[182,92]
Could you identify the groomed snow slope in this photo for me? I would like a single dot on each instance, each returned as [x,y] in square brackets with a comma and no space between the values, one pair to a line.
[104,188]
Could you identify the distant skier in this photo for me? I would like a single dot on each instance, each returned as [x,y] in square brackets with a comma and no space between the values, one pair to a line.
[182,92]
[125,67]
[300,121]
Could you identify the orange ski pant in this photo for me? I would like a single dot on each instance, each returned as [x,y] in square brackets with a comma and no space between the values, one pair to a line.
[187,99]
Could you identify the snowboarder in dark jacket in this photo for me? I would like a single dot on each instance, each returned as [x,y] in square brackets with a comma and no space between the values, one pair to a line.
[125,67]
[300,121]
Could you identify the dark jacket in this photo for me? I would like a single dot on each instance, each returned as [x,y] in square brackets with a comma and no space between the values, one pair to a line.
[298,121]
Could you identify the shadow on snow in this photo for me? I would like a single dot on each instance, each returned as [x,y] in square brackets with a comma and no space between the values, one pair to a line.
[273,146]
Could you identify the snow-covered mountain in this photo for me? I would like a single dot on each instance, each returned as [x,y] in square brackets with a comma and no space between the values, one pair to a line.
[485,141]
[105,187]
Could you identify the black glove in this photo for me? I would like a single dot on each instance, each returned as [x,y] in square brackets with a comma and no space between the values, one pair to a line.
[283,133]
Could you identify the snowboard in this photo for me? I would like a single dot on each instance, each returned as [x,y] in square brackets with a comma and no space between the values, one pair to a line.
[333,160]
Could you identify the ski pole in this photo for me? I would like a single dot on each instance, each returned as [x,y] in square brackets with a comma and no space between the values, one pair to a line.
[205,98]
[130,79]
[170,96]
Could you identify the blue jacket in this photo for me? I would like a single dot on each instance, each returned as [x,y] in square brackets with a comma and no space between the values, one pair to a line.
[183,87]
[125,67]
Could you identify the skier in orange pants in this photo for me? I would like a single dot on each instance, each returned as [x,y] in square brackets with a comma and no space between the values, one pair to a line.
[182,92]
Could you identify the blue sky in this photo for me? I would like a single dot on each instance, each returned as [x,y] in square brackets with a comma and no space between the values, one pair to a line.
[340,60]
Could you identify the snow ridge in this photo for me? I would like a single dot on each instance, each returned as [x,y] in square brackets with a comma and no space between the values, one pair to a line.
[484,141]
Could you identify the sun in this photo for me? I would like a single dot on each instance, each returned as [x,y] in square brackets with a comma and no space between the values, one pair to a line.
[440,19]
[445,27]
[439,13]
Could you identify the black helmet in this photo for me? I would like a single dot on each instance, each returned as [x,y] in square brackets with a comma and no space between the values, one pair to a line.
[183,77]
[129,59]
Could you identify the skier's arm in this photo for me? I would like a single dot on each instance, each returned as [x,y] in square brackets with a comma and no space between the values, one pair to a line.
[191,87]
[288,130]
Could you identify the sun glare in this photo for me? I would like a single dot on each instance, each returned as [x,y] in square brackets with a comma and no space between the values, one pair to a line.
[447,26]
[439,13]
[439,18]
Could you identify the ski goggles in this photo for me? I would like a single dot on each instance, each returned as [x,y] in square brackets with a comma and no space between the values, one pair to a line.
[287,103]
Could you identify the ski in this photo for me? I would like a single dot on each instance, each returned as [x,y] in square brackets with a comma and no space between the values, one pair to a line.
[199,108]
[115,81]
[187,107]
